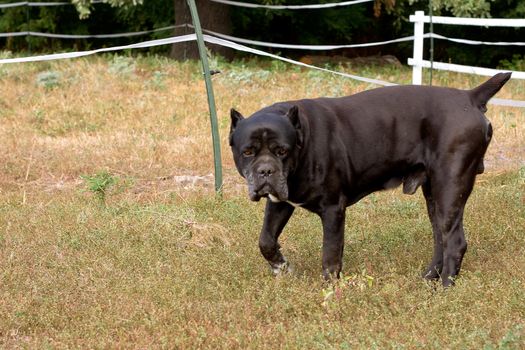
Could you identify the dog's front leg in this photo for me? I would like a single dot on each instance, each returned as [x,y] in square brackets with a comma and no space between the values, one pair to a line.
[276,216]
[333,218]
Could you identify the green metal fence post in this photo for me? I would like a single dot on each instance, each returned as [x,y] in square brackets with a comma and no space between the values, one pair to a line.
[211,98]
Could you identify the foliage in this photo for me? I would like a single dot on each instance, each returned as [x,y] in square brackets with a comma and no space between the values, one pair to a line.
[48,79]
[517,62]
[383,20]
[99,184]
[459,8]
[121,65]
[158,80]
[84,6]
[337,25]
[478,55]
[65,20]
[367,22]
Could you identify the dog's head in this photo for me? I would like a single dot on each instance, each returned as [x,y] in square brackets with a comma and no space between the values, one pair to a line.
[264,148]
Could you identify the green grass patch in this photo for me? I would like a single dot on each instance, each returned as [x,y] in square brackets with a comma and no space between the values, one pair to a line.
[187,273]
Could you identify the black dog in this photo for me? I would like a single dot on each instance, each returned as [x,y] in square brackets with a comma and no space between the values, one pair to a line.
[326,154]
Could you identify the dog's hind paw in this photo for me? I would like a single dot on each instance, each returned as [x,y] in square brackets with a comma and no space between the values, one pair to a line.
[281,268]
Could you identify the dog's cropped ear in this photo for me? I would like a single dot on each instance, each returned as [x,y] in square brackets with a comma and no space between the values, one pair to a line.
[235,117]
[293,115]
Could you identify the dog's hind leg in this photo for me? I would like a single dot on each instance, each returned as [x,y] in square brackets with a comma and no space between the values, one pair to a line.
[333,218]
[433,271]
[450,190]
[276,216]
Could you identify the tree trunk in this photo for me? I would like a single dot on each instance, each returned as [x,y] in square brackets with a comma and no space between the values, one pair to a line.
[213,16]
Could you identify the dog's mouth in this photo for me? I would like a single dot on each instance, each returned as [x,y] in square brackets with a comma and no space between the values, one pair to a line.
[266,190]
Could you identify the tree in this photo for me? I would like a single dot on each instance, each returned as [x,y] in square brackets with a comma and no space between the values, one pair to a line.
[213,16]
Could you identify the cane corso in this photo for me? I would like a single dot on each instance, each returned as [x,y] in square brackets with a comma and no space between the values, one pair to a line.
[325,154]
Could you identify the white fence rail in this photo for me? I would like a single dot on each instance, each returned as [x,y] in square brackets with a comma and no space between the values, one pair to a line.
[418,63]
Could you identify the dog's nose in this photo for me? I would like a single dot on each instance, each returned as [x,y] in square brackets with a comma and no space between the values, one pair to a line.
[265,172]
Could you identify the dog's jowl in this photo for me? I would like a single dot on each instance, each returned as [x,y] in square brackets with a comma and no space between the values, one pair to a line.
[326,154]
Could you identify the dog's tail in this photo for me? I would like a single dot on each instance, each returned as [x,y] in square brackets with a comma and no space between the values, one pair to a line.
[483,93]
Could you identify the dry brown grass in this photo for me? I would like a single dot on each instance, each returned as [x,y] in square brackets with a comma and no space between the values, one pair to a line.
[150,119]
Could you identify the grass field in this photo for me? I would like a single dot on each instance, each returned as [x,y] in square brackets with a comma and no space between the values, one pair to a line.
[111,235]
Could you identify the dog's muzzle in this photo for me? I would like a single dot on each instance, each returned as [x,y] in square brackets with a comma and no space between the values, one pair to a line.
[265,181]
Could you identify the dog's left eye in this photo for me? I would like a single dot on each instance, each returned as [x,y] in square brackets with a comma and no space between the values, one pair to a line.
[281,152]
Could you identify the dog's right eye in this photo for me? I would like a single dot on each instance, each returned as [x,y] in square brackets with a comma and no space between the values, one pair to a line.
[248,153]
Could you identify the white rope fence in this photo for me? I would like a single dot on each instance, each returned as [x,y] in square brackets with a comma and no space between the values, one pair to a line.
[226,2]
[291,7]
[306,47]
[32,4]
[179,39]
[218,41]
[256,42]
[223,36]
[90,36]
[475,42]
[233,42]
[38,4]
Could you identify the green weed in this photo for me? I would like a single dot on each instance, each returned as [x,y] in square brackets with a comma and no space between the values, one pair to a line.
[158,80]
[513,339]
[242,75]
[48,79]
[99,184]
[122,65]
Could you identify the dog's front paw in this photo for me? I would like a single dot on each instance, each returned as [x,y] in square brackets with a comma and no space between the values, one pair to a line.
[281,268]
